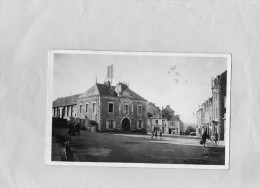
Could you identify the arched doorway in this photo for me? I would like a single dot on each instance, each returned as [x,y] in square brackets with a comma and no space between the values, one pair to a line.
[126,124]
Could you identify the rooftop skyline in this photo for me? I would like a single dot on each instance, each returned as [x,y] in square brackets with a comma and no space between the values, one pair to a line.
[181,82]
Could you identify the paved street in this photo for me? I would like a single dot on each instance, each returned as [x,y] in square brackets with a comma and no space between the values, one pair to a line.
[109,147]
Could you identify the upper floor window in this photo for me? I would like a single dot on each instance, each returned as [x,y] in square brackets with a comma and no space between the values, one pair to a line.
[110,107]
[80,108]
[126,108]
[86,107]
[139,109]
[94,107]
[156,121]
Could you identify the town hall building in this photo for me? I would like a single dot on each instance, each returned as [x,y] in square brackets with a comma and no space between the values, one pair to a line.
[111,107]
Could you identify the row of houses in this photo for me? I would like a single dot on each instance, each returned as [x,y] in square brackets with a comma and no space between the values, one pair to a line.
[115,108]
[158,122]
[211,116]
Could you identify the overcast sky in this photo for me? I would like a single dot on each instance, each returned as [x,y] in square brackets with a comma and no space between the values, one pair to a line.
[182,82]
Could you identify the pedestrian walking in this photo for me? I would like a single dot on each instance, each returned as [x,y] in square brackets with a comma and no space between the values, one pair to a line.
[155,135]
[213,139]
[203,138]
[216,138]
[152,134]
[160,135]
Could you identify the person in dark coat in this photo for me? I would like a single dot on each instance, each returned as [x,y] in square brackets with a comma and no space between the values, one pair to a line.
[216,138]
[204,137]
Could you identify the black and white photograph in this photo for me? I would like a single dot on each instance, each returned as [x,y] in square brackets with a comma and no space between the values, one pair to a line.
[125,94]
[139,109]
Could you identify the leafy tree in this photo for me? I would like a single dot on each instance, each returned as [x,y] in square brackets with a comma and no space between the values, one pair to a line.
[189,129]
[93,123]
[166,114]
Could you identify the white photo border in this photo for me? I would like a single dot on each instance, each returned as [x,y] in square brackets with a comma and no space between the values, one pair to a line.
[48,138]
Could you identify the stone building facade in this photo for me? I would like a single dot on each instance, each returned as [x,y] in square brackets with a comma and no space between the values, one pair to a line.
[157,123]
[175,125]
[111,107]
[212,114]
[65,107]
[219,90]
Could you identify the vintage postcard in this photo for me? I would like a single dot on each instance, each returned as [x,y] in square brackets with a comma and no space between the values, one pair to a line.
[138,109]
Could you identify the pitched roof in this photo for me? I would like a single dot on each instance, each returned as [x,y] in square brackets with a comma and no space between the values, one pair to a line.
[104,90]
[175,118]
[69,100]
[136,96]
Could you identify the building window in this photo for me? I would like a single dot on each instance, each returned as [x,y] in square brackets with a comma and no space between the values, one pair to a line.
[139,109]
[126,108]
[140,123]
[111,124]
[156,121]
[110,107]
[80,108]
[86,107]
[94,107]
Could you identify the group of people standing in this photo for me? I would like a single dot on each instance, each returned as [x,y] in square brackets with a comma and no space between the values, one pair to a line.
[155,133]
[213,138]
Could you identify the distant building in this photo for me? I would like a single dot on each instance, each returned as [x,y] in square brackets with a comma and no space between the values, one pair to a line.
[65,107]
[169,110]
[112,107]
[152,110]
[157,123]
[204,118]
[175,125]
[200,125]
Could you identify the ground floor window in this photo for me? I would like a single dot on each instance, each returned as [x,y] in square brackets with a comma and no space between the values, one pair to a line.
[140,124]
[111,124]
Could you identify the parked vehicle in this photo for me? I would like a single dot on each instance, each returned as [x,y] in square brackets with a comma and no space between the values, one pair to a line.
[192,133]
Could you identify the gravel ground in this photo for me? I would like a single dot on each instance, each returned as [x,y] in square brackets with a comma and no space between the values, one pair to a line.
[128,148]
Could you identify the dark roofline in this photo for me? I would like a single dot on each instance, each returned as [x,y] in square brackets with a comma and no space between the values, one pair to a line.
[72,100]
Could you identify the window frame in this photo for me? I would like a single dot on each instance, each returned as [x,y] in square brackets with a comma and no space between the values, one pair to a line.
[139,105]
[86,107]
[94,103]
[80,108]
[113,109]
[126,104]
[141,126]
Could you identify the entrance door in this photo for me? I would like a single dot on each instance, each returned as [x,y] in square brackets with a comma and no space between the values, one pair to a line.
[126,124]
